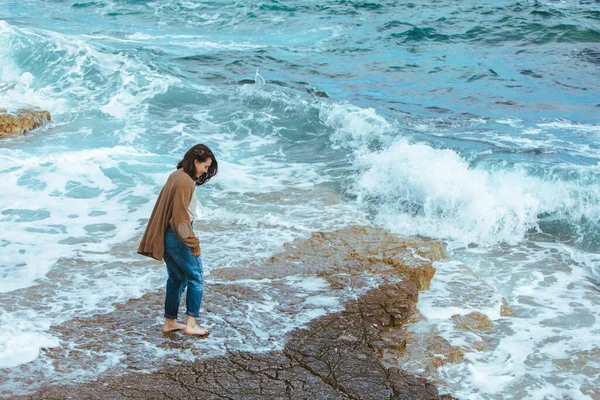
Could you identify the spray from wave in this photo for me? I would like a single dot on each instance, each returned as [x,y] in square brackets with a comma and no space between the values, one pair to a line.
[415,189]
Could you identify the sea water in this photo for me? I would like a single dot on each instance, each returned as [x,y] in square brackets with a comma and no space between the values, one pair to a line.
[476,123]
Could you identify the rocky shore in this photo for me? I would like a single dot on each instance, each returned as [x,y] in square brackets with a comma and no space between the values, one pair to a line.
[23,121]
[353,352]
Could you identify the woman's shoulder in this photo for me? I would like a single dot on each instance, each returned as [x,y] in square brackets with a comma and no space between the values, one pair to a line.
[179,177]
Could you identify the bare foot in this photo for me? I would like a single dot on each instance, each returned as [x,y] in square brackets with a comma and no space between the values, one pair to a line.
[172,325]
[195,330]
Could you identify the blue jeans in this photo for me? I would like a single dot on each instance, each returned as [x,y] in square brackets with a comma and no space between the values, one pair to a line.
[184,270]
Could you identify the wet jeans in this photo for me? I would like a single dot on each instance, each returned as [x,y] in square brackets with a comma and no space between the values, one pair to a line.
[185,271]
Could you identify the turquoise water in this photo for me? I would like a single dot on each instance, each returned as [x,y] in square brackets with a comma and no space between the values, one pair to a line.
[474,123]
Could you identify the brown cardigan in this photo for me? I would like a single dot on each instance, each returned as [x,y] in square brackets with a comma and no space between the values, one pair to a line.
[171,209]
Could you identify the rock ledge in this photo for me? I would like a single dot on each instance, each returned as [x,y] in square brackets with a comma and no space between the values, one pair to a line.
[334,356]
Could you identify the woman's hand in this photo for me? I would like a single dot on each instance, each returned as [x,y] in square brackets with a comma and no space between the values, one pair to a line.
[196,252]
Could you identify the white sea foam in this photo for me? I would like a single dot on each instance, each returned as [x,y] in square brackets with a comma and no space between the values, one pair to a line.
[123,92]
[585,259]
[139,36]
[571,126]
[207,44]
[531,354]
[16,90]
[515,136]
[308,284]
[514,122]
[186,41]
[48,202]
[137,86]
[22,337]
[355,127]
[53,211]
[423,191]
[326,301]
[275,314]
[262,227]
[261,176]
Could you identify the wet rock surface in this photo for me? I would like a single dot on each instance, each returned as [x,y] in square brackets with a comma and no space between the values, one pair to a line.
[373,276]
[472,321]
[506,310]
[352,251]
[24,121]
[424,350]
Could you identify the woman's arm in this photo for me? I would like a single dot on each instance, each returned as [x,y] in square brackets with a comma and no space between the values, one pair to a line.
[180,219]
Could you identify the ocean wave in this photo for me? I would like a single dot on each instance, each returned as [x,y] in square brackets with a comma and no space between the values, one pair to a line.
[416,189]
[361,129]
[65,74]
[525,32]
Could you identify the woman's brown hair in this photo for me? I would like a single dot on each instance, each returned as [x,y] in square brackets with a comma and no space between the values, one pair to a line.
[200,153]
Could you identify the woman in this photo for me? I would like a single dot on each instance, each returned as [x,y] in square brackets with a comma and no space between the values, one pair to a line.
[169,236]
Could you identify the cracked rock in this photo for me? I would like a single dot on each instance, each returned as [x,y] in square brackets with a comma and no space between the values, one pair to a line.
[374,275]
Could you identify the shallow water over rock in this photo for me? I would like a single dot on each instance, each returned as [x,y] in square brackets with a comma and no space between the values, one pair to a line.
[310,322]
